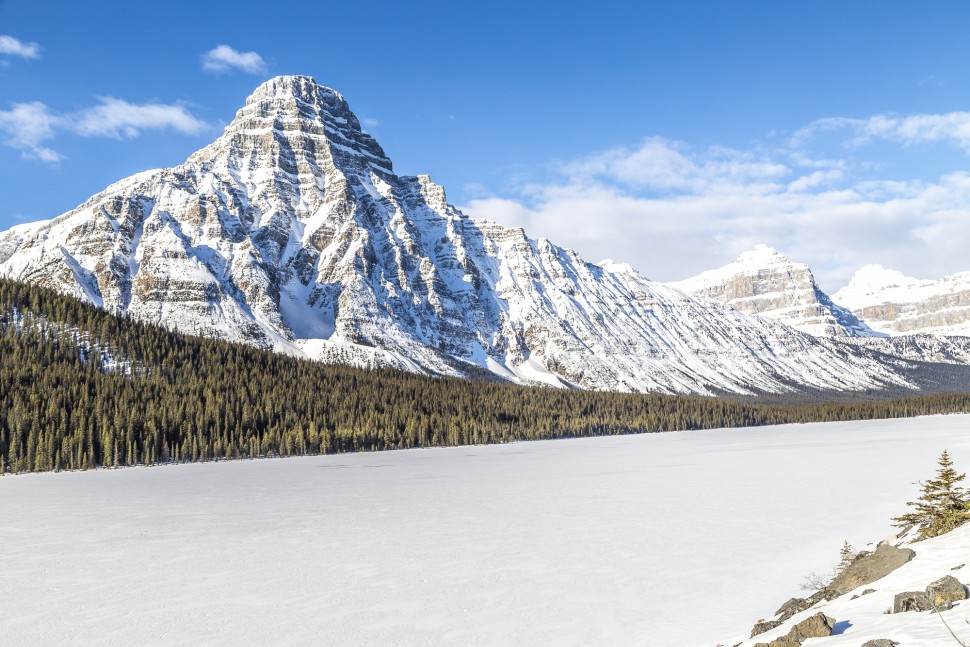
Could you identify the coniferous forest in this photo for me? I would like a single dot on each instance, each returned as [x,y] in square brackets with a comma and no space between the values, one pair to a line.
[81,388]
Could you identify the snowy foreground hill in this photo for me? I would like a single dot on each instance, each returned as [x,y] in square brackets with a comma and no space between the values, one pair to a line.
[661,540]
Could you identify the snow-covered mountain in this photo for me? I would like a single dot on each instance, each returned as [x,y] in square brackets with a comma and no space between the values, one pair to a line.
[893,303]
[764,282]
[292,232]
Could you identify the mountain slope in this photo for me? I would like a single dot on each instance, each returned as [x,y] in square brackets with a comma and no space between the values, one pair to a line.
[83,388]
[763,282]
[292,232]
[897,304]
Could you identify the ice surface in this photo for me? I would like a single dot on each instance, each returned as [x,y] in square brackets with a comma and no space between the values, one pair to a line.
[674,539]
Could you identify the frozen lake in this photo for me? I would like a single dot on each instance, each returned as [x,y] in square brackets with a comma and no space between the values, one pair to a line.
[675,539]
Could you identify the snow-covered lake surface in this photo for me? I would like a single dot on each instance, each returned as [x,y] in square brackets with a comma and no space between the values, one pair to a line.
[675,539]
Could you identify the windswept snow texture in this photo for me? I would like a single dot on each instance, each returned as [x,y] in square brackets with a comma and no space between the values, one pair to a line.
[674,539]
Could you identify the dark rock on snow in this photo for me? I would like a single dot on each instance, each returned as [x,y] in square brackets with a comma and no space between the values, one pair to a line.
[763,626]
[911,601]
[940,595]
[817,626]
[867,568]
[793,606]
[945,591]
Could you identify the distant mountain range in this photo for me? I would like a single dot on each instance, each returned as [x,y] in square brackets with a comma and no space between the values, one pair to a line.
[292,232]
[763,282]
[876,302]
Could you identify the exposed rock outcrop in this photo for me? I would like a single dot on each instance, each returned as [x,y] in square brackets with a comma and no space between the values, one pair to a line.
[816,626]
[763,626]
[945,591]
[869,567]
[797,605]
[939,596]
[911,601]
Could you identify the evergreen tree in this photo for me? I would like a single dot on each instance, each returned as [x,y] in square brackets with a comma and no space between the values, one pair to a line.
[846,557]
[82,388]
[942,506]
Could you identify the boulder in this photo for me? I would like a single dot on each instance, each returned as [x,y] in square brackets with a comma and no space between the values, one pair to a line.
[945,591]
[911,601]
[864,592]
[793,606]
[763,626]
[817,626]
[879,642]
[797,605]
[867,568]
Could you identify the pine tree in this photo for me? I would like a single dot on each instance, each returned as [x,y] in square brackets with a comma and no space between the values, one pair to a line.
[846,557]
[942,506]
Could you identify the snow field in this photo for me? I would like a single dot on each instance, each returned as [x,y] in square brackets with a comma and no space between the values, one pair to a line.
[676,539]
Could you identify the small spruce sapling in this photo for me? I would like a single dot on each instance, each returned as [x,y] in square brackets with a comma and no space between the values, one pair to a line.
[846,557]
[816,582]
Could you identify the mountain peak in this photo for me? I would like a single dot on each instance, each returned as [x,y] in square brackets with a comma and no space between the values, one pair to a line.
[875,276]
[301,87]
[762,281]
[292,118]
[761,254]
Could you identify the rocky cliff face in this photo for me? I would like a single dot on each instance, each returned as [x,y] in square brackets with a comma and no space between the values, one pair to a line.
[764,282]
[895,304]
[292,232]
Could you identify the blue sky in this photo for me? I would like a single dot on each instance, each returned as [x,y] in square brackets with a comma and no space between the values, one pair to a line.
[672,136]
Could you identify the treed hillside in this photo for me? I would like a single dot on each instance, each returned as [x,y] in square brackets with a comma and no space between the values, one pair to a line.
[80,388]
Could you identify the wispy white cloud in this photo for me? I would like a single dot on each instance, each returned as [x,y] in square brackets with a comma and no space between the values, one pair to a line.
[119,119]
[29,127]
[370,122]
[10,46]
[673,211]
[223,58]
[950,127]
[661,165]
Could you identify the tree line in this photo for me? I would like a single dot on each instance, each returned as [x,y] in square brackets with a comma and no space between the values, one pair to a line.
[82,388]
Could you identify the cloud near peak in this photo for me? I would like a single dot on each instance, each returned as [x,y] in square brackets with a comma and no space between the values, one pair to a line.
[674,211]
[30,126]
[224,58]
